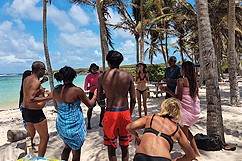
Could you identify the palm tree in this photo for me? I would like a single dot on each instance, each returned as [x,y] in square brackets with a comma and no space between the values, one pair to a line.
[214,111]
[234,89]
[47,56]
[102,12]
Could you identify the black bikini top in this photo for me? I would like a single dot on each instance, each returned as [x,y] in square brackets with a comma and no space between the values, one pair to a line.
[143,77]
[157,133]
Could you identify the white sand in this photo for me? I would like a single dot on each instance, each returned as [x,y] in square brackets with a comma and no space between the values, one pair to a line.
[93,148]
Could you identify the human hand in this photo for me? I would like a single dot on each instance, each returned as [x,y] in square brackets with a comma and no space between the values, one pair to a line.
[95,93]
[164,88]
[44,79]
[48,94]
[137,139]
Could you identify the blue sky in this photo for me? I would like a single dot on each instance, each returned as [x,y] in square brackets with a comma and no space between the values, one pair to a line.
[73,35]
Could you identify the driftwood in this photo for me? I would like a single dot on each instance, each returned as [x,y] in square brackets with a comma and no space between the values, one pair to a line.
[16,135]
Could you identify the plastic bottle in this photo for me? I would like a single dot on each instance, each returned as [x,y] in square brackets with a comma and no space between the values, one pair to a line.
[30,155]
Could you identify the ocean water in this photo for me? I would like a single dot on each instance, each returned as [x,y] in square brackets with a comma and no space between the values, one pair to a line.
[10,87]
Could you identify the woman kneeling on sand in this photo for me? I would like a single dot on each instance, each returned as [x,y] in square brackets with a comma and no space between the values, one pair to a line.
[160,132]
[70,123]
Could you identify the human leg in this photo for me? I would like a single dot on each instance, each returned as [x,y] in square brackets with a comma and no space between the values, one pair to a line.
[125,153]
[42,129]
[144,97]
[89,112]
[76,155]
[31,130]
[112,153]
[65,153]
[138,95]
[89,116]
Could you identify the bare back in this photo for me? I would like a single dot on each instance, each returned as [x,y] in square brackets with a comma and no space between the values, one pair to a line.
[157,145]
[31,87]
[117,84]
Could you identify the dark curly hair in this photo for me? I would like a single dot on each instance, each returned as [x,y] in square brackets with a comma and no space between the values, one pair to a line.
[189,71]
[114,58]
[65,74]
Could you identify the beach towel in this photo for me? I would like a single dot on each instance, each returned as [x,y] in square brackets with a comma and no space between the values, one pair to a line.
[70,124]
[190,108]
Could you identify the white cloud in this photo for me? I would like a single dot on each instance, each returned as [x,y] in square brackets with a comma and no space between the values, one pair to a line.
[114,16]
[120,33]
[60,19]
[128,50]
[78,14]
[15,45]
[81,39]
[25,9]
[20,24]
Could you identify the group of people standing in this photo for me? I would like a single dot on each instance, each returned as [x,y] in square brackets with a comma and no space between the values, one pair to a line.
[114,85]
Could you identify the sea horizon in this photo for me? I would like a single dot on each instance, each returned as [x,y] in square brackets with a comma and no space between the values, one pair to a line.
[10,84]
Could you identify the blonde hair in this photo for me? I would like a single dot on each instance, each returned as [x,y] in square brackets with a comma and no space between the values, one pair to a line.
[171,107]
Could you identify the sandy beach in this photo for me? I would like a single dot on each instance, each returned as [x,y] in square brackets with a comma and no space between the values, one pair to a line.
[94,150]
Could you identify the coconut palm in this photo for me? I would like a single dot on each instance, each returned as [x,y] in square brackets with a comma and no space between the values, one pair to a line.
[47,56]
[105,35]
[234,89]
[214,111]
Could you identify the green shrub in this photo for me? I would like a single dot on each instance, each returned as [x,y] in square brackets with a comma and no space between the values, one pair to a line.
[156,72]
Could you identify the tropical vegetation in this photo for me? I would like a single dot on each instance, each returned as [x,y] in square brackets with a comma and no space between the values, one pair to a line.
[209,33]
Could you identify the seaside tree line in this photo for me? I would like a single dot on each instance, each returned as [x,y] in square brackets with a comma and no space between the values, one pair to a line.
[209,33]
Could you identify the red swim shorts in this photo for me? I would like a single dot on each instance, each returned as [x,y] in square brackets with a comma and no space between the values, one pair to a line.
[114,125]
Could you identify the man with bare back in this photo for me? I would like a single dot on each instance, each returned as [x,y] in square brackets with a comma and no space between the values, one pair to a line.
[116,84]
[33,102]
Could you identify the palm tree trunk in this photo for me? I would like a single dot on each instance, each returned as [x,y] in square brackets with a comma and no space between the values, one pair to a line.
[137,47]
[234,89]
[103,32]
[47,56]
[214,110]
[201,61]
[142,42]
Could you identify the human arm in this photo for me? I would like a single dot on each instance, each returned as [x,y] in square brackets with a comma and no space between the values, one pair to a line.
[44,79]
[137,80]
[180,83]
[100,88]
[136,125]
[36,90]
[86,82]
[54,100]
[185,145]
[132,96]
[82,96]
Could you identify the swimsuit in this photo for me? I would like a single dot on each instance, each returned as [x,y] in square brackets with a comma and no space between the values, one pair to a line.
[141,91]
[165,136]
[115,121]
[144,157]
[33,116]
[70,124]
[21,109]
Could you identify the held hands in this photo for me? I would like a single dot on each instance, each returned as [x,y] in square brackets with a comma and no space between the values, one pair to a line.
[48,94]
